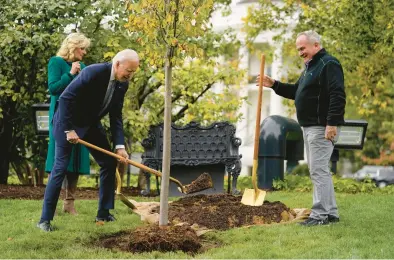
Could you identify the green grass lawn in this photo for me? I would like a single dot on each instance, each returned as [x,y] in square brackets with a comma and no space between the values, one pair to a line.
[365,231]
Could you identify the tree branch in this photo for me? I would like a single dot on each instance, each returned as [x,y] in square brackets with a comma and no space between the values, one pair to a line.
[100,16]
[143,96]
[181,113]
[162,30]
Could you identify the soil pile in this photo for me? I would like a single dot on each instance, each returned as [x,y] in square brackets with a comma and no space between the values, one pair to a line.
[189,217]
[223,211]
[155,238]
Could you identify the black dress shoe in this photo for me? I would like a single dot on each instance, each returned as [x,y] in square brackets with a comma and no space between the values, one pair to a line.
[314,222]
[109,218]
[332,219]
[45,226]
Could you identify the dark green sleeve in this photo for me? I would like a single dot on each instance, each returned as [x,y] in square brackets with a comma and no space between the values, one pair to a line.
[57,81]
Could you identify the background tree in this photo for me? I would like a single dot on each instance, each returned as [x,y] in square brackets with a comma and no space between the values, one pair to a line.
[30,32]
[360,34]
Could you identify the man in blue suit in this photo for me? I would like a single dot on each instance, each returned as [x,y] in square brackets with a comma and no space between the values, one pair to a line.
[98,90]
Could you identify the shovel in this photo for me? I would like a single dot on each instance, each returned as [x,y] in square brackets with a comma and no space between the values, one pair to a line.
[255,196]
[120,196]
[203,182]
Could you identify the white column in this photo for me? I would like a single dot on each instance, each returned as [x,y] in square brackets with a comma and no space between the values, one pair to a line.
[277,107]
[242,126]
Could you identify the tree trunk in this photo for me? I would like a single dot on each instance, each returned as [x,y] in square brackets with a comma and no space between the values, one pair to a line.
[5,146]
[39,176]
[163,221]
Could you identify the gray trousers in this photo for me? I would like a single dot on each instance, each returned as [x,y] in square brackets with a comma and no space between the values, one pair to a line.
[318,152]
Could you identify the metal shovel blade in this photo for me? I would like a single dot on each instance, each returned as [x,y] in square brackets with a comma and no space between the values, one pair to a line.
[120,196]
[126,201]
[252,197]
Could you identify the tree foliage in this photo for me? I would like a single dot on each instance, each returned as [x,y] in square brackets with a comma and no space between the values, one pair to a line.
[31,32]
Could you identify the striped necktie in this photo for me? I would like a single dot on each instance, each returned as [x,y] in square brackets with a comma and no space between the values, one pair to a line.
[108,97]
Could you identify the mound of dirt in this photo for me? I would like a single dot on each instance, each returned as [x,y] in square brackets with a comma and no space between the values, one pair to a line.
[224,211]
[154,238]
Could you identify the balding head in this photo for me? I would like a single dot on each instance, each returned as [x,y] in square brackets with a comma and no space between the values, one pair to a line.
[125,64]
[126,54]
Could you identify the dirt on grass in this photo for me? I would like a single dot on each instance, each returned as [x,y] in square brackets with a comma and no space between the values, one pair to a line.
[37,193]
[187,217]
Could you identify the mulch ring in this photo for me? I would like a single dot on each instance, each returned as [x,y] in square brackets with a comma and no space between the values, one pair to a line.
[37,193]
[191,217]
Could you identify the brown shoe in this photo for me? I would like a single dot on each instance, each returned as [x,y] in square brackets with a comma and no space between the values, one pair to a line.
[68,207]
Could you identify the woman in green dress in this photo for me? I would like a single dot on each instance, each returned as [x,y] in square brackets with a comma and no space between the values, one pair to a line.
[62,69]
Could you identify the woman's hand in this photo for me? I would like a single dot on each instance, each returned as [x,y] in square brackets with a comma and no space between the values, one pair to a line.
[75,68]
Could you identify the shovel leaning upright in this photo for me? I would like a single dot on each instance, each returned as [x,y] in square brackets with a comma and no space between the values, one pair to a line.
[255,196]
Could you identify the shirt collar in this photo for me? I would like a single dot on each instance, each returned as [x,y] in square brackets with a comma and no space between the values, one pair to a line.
[317,56]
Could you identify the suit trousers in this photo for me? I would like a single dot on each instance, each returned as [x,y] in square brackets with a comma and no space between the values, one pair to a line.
[95,135]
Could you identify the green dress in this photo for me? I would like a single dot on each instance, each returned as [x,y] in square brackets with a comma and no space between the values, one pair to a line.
[58,79]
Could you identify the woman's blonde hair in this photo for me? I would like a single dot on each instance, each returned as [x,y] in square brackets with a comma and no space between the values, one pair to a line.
[72,41]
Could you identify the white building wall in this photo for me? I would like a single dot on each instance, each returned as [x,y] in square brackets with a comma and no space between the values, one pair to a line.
[272,104]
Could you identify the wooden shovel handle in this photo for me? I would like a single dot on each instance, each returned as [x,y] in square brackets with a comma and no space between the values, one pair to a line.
[138,165]
[259,104]
[257,129]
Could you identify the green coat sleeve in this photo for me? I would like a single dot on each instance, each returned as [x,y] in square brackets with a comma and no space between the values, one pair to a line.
[58,79]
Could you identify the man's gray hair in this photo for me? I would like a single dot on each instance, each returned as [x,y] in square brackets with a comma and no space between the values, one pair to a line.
[312,36]
[126,54]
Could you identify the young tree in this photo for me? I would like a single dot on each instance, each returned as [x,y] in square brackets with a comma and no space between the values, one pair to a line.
[176,34]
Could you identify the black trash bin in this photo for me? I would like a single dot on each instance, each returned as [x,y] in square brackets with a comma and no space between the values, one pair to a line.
[280,139]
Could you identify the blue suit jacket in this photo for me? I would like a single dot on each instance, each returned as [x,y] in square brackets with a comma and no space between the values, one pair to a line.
[81,102]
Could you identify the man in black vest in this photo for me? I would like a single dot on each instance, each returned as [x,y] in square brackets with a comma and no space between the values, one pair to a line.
[320,104]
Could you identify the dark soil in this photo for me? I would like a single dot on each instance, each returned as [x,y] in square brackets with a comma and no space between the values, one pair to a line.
[37,193]
[225,211]
[203,182]
[218,212]
[154,238]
